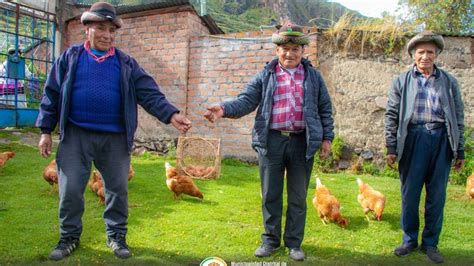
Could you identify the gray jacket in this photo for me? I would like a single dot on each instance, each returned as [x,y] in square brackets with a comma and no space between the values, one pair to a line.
[259,92]
[400,108]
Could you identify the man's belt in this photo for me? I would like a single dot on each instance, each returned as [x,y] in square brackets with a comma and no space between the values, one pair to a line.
[289,133]
[428,126]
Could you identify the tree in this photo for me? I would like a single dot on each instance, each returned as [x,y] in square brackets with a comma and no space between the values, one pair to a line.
[443,16]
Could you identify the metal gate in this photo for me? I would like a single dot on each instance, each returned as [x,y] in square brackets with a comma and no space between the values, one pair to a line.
[27,37]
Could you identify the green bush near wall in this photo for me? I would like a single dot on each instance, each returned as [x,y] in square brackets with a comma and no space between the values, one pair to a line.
[460,178]
[368,167]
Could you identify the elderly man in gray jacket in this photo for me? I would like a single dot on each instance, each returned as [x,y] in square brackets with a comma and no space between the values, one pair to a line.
[293,120]
[424,126]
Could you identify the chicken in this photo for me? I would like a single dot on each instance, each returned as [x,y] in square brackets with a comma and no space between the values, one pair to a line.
[180,184]
[131,173]
[5,156]
[50,174]
[356,167]
[97,186]
[470,186]
[327,205]
[370,200]
[170,171]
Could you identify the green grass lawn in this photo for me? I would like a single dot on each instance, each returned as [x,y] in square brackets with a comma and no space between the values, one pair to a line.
[227,224]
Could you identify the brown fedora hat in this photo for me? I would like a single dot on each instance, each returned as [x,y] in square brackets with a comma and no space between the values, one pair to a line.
[424,37]
[101,11]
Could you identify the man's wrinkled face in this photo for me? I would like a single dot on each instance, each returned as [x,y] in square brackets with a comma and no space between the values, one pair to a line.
[425,55]
[290,54]
[101,34]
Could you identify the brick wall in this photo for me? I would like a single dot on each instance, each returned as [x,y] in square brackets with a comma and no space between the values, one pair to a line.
[219,68]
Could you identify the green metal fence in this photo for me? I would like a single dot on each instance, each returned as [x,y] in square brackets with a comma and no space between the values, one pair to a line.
[26,54]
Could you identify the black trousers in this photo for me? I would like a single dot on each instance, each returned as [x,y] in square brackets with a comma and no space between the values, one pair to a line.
[284,153]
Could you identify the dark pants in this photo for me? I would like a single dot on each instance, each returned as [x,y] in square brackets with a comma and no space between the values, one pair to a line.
[110,155]
[426,161]
[284,153]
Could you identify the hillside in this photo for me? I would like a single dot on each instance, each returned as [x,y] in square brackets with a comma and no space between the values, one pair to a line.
[248,15]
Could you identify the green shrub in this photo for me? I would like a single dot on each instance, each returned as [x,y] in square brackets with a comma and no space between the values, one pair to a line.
[390,172]
[337,146]
[171,149]
[370,168]
[327,166]
[323,166]
[232,161]
[460,178]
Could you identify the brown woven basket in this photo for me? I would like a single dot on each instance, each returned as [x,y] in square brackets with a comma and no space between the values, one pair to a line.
[199,157]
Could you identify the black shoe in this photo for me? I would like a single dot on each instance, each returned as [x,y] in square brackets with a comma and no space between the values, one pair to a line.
[265,251]
[433,254]
[404,250]
[297,254]
[64,248]
[119,245]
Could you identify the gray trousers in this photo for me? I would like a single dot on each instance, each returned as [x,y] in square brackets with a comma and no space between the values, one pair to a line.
[284,152]
[109,153]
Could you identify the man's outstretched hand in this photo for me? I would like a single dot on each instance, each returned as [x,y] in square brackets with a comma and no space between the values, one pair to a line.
[181,123]
[214,112]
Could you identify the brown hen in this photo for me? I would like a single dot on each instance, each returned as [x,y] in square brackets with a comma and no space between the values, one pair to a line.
[180,184]
[371,200]
[327,205]
[131,173]
[50,174]
[97,186]
[470,186]
[5,156]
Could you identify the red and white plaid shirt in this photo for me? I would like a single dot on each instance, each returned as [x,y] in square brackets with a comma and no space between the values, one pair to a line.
[110,52]
[287,110]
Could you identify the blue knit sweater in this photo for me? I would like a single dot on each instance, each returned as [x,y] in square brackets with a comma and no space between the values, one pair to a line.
[96,99]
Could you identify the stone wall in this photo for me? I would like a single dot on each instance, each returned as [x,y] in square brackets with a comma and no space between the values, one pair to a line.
[355,84]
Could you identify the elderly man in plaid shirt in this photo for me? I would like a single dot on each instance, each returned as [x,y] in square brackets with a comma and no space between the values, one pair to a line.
[293,121]
[424,127]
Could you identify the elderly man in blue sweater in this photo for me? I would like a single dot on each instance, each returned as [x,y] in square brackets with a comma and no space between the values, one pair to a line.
[92,92]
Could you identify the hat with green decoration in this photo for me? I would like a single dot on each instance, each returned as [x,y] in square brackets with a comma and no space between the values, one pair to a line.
[290,33]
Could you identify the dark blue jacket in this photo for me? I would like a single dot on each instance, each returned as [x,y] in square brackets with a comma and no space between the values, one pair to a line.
[259,92]
[137,86]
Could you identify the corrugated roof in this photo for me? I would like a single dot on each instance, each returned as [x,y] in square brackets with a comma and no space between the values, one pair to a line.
[450,34]
[143,6]
[156,4]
